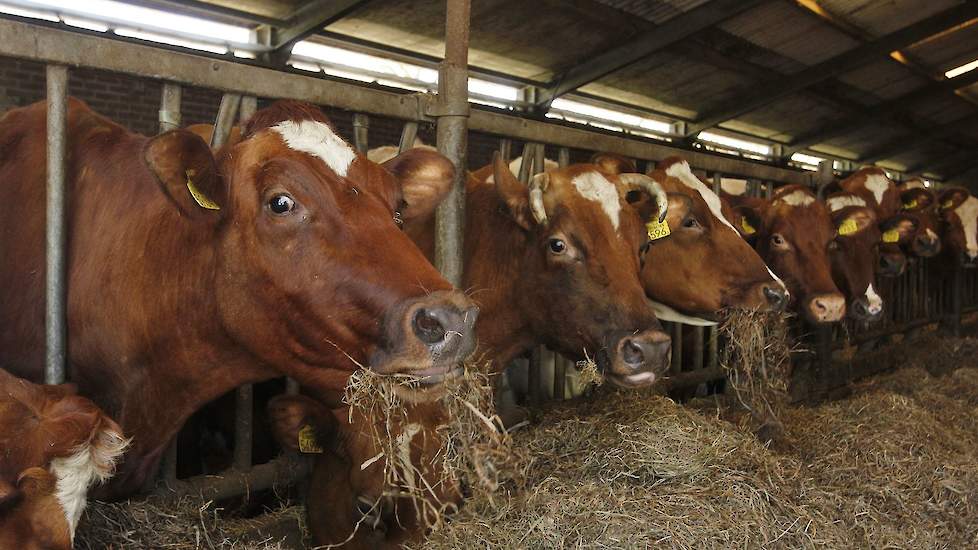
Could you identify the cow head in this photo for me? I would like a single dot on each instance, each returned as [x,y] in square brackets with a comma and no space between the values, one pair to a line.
[347,497]
[578,280]
[959,213]
[876,188]
[853,254]
[703,265]
[921,203]
[314,275]
[55,446]
[794,236]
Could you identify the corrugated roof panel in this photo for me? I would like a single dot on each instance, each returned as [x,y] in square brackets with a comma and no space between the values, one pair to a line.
[785,119]
[885,78]
[864,139]
[881,17]
[948,50]
[784,28]
[656,11]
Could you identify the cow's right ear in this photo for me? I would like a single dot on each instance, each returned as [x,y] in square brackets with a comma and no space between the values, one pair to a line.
[951,198]
[184,165]
[916,199]
[514,194]
[425,177]
[301,424]
[747,222]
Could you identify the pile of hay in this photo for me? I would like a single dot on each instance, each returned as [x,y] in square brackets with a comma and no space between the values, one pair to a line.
[185,524]
[895,466]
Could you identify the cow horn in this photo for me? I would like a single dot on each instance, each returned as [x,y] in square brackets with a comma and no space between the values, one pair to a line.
[651,187]
[538,185]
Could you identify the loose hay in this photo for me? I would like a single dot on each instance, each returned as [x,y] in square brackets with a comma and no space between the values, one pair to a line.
[756,358]
[184,524]
[475,451]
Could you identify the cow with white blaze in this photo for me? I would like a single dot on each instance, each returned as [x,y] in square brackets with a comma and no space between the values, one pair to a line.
[959,211]
[854,254]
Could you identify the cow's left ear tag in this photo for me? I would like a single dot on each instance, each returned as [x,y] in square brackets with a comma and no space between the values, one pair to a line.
[848,227]
[891,236]
[202,200]
[657,229]
[307,440]
[747,227]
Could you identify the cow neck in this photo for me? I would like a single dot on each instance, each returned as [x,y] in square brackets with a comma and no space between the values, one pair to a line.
[494,258]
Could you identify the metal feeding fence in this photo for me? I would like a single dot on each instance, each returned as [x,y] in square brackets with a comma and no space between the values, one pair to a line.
[242,81]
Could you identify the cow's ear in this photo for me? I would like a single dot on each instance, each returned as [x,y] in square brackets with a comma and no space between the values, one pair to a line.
[747,222]
[679,206]
[183,164]
[425,177]
[916,199]
[614,164]
[36,482]
[514,194]
[301,424]
[951,198]
[902,226]
[853,220]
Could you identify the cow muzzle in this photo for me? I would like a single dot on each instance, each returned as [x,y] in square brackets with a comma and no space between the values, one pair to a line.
[926,245]
[638,359]
[771,296]
[891,264]
[826,308]
[428,338]
[969,259]
[863,310]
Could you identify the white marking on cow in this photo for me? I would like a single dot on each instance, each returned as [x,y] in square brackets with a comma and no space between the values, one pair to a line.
[733,186]
[595,187]
[681,171]
[878,184]
[797,198]
[967,213]
[318,140]
[666,313]
[92,462]
[514,167]
[840,202]
[873,301]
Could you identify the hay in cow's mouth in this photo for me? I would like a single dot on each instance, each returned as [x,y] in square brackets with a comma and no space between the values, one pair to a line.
[894,467]
[475,450]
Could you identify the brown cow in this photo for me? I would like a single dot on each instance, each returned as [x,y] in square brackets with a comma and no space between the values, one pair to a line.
[880,193]
[704,265]
[794,234]
[54,446]
[959,211]
[854,254]
[189,275]
[920,203]
[557,263]
[348,501]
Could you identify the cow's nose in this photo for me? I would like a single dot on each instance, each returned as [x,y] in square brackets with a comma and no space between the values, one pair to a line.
[645,355]
[827,308]
[776,296]
[969,259]
[891,265]
[862,310]
[438,325]
[926,246]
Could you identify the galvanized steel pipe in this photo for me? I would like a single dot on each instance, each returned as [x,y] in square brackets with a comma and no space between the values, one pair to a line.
[55,313]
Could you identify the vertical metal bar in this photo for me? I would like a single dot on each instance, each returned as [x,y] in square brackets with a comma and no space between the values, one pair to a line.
[170,118]
[535,377]
[505,148]
[526,162]
[697,348]
[453,113]
[539,159]
[677,348]
[560,364]
[713,349]
[768,189]
[563,156]
[168,465]
[409,133]
[823,177]
[533,385]
[249,104]
[244,398]
[956,300]
[55,324]
[226,116]
[717,180]
[361,125]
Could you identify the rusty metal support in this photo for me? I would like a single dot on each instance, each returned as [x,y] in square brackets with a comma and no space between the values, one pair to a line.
[226,117]
[409,133]
[452,112]
[56,306]
[243,426]
[170,118]
[361,126]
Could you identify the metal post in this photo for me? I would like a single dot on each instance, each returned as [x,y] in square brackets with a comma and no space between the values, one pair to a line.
[453,113]
[505,148]
[677,348]
[244,398]
[526,162]
[249,104]
[717,180]
[226,115]
[560,363]
[409,133]
[55,324]
[823,177]
[170,118]
[563,157]
[539,159]
[361,124]
[956,296]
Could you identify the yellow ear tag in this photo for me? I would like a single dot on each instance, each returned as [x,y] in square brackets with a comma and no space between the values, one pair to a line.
[947,204]
[748,228]
[657,230]
[307,440]
[848,227]
[891,236]
[909,205]
[198,195]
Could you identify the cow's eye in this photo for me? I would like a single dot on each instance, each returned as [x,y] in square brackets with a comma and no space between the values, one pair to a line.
[557,246]
[281,204]
[778,241]
[691,223]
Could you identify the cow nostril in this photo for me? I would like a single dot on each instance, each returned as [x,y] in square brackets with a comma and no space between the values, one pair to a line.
[860,308]
[428,326]
[775,296]
[632,353]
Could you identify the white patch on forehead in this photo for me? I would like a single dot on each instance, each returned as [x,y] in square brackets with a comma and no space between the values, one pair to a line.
[595,187]
[873,300]
[318,140]
[797,198]
[930,233]
[838,203]
[967,213]
[877,184]
[92,462]
[915,183]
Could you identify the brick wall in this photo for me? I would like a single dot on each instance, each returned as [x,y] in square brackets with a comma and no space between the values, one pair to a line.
[134,103]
